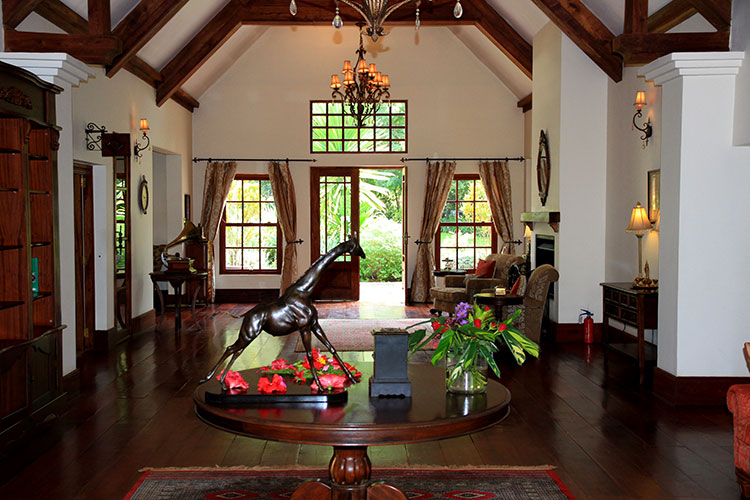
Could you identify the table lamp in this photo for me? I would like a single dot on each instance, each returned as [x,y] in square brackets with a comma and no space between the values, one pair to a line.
[638,223]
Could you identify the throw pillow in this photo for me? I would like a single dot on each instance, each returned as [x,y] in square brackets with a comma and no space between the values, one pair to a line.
[486,268]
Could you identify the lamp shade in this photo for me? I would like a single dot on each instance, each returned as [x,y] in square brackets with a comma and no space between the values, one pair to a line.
[335,83]
[144,125]
[640,99]
[638,220]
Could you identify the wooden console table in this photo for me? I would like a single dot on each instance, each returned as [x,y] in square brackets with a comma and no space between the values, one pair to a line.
[634,307]
[176,279]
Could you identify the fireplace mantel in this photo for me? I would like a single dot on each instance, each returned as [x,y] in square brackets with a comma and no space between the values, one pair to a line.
[551,218]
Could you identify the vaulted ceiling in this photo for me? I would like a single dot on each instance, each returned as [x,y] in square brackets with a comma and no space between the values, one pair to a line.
[181,46]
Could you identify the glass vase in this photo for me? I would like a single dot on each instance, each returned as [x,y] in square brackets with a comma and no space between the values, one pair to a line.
[472,380]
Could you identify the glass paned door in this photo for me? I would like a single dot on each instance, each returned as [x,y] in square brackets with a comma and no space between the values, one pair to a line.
[334,217]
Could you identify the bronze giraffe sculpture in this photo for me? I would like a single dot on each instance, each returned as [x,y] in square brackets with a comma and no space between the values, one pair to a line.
[289,313]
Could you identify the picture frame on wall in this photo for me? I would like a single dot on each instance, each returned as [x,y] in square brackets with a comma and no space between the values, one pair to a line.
[187,207]
[654,186]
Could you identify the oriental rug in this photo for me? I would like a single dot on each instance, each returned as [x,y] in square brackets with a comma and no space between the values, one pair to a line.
[354,334]
[417,483]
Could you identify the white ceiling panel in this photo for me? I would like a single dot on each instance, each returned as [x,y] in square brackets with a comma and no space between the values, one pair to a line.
[523,15]
[179,31]
[223,59]
[497,62]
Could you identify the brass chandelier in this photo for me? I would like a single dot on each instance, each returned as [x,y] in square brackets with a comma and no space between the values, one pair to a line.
[364,87]
[375,12]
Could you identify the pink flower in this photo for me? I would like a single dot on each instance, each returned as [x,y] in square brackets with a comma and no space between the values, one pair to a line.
[266,386]
[234,381]
[330,381]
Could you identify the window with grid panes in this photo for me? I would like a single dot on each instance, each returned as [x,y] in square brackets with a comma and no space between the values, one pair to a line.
[465,233]
[332,131]
[250,233]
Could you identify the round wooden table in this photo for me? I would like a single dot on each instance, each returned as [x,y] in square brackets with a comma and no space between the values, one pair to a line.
[497,302]
[430,414]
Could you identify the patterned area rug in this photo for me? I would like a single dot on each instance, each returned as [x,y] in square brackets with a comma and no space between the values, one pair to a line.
[417,484]
[354,334]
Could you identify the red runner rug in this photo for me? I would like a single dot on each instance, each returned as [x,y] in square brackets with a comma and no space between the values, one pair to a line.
[416,483]
[354,334]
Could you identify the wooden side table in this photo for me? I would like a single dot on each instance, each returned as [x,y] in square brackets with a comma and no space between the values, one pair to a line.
[634,307]
[176,279]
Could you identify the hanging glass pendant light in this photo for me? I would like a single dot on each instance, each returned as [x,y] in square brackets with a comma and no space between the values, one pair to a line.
[375,12]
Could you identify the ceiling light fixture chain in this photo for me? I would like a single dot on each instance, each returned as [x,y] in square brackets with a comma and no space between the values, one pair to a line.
[364,87]
[375,12]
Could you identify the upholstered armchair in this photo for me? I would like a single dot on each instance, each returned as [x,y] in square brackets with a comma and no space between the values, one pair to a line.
[738,401]
[462,288]
[534,299]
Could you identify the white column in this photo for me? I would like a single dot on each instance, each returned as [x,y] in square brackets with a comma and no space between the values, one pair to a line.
[66,72]
[703,294]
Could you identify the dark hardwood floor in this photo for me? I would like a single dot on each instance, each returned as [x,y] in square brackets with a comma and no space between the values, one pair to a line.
[607,437]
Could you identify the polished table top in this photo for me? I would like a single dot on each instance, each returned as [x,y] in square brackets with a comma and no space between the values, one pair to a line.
[430,414]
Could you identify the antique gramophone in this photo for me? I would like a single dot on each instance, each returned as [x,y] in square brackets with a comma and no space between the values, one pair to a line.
[190,234]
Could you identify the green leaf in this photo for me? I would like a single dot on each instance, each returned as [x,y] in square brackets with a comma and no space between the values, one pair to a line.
[515,347]
[527,344]
[485,352]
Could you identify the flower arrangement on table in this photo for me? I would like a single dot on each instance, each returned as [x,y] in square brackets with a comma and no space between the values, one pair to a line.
[330,374]
[469,340]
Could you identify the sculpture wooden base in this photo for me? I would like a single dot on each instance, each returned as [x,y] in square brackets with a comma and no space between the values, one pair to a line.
[349,472]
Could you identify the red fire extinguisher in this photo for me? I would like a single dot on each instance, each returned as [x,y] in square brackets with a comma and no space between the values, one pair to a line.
[586,317]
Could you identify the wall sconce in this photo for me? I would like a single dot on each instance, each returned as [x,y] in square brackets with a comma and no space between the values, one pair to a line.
[136,148]
[94,143]
[640,102]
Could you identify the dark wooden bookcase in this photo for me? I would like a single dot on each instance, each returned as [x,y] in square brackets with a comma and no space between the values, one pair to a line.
[30,329]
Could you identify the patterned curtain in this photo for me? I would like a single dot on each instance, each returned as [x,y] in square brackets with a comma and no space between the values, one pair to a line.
[439,178]
[496,180]
[216,187]
[286,211]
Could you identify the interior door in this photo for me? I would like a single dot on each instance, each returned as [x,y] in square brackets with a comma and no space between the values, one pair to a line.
[83,202]
[334,214]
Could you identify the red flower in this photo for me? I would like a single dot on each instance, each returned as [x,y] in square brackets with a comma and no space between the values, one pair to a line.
[234,381]
[478,322]
[493,325]
[266,386]
[330,381]
[299,377]
[318,360]
[501,327]
[486,308]
[279,364]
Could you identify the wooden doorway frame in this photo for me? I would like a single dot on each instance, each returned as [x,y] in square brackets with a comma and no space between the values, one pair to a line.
[83,207]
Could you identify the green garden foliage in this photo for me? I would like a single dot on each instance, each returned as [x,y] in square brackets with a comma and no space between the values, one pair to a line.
[382,245]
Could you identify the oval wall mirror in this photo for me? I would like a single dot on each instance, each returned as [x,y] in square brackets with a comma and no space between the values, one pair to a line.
[543,167]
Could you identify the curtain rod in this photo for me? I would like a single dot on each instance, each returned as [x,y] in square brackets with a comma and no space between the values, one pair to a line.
[196,160]
[520,158]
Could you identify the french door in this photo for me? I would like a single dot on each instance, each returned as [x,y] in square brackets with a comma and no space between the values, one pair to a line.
[83,198]
[334,216]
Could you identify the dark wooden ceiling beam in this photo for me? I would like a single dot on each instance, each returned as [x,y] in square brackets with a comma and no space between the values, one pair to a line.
[586,31]
[716,12]
[100,20]
[140,26]
[198,50]
[15,11]
[669,16]
[91,49]
[642,49]
[636,16]
[525,103]
[68,20]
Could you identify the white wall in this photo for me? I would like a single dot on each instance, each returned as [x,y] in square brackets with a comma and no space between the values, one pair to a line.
[628,164]
[570,105]
[119,103]
[260,108]
[740,41]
